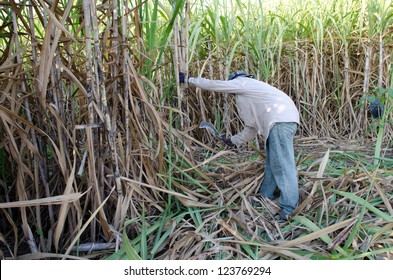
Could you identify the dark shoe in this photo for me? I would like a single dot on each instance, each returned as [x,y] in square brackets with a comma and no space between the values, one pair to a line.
[282,218]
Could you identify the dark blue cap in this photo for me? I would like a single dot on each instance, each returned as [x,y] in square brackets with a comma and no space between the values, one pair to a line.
[239,73]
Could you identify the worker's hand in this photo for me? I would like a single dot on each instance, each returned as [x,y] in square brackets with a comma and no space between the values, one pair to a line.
[182,77]
[227,141]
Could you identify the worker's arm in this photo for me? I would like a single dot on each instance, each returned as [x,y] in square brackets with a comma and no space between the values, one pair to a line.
[244,136]
[233,86]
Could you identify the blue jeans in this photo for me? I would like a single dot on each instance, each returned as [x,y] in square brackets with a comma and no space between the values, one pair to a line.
[280,167]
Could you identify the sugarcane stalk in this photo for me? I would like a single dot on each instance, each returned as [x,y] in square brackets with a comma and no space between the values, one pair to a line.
[126,79]
[314,87]
[184,52]
[211,71]
[380,62]
[296,79]
[177,65]
[50,47]
[89,93]
[223,96]
[347,87]
[20,184]
[39,169]
[92,96]
[115,66]
[366,80]
[381,123]
[92,247]
[99,71]
[181,59]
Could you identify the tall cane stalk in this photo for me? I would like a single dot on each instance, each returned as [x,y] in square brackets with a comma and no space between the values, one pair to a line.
[180,29]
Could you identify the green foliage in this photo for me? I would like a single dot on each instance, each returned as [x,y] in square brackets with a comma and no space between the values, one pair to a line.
[386,99]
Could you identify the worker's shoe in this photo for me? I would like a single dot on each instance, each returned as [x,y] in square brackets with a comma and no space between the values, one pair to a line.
[281,217]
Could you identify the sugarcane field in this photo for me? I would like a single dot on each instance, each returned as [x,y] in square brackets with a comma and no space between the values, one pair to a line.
[141,130]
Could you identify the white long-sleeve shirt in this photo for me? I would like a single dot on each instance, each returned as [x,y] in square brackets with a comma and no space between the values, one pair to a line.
[259,105]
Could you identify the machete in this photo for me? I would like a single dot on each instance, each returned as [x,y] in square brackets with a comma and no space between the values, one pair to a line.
[210,127]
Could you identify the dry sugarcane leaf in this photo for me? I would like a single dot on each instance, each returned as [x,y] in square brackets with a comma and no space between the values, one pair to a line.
[341,236]
[317,234]
[192,203]
[10,117]
[385,200]
[219,154]
[64,208]
[56,22]
[178,195]
[230,229]
[156,117]
[73,77]
[18,11]
[49,49]
[4,67]
[92,217]
[58,199]
[46,256]
[319,175]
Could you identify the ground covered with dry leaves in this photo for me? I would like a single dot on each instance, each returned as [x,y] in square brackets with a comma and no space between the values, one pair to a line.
[345,210]
[210,209]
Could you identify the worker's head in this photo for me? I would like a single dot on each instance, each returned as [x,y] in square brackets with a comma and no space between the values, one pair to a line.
[239,73]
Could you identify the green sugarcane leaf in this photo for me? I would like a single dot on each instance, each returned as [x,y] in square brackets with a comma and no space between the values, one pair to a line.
[368,205]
